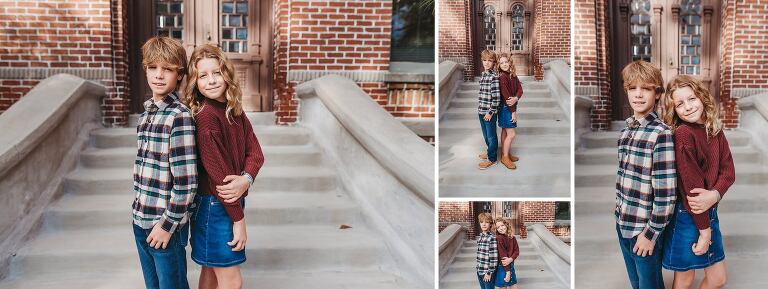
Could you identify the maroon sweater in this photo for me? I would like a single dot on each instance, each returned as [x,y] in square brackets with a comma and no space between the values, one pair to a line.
[510,87]
[225,148]
[702,163]
[507,248]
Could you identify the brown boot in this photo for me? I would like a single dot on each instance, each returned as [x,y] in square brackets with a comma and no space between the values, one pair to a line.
[513,158]
[483,156]
[508,163]
[485,164]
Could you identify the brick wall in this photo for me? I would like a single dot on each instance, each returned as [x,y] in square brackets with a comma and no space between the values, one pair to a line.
[553,33]
[465,214]
[455,33]
[591,64]
[42,38]
[456,213]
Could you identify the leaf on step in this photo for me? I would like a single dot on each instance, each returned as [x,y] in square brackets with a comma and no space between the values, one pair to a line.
[345,226]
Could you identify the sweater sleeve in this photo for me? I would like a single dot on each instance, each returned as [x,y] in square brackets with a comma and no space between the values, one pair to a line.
[727,173]
[503,249]
[690,174]
[519,87]
[515,249]
[254,157]
[212,152]
[506,87]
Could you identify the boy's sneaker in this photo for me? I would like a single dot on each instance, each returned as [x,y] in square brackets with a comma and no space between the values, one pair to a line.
[507,162]
[483,156]
[485,164]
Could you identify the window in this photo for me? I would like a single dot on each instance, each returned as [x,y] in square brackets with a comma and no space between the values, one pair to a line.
[690,37]
[489,25]
[169,18]
[413,31]
[234,26]
[518,21]
[640,30]
[563,211]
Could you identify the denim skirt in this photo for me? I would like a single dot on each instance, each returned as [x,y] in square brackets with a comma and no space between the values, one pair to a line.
[211,229]
[500,274]
[505,117]
[679,237]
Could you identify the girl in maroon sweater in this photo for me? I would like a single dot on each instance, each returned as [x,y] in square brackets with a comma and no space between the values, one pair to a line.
[705,172]
[511,91]
[508,252]
[230,158]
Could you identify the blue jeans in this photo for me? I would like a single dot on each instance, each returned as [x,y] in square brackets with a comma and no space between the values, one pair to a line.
[489,133]
[483,284]
[163,268]
[644,272]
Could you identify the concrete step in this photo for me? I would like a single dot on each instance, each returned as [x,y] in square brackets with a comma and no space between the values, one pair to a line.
[266,134]
[528,93]
[739,198]
[104,250]
[596,175]
[261,118]
[274,155]
[114,137]
[520,265]
[120,181]
[609,139]
[463,257]
[527,83]
[524,104]
[456,145]
[75,211]
[538,127]
[525,278]
[536,113]
[741,155]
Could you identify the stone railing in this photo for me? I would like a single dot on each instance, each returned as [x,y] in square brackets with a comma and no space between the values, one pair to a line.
[386,167]
[553,250]
[754,119]
[557,75]
[451,76]
[582,109]
[452,239]
[42,136]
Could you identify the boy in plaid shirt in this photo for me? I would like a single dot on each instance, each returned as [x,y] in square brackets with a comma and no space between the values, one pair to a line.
[488,102]
[165,171]
[646,180]
[487,252]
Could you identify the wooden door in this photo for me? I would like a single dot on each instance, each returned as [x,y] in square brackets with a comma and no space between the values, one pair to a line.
[515,33]
[679,37]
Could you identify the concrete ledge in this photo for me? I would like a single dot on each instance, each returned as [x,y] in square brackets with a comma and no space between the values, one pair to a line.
[451,76]
[43,134]
[554,251]
[419,126]
[582,109]
[557,75]
[754,119]
[451,240]
[384,166]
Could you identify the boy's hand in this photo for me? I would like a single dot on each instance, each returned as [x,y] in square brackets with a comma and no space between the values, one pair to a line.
[158,238]
[487,117]
[506,261]
[514,117]
[643,247]
[511,101]
[703,200]
[236,187]
[239,235]
[487,277]
[508,277]
[702,245]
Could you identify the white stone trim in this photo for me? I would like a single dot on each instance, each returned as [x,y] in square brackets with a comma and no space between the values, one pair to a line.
[45,72]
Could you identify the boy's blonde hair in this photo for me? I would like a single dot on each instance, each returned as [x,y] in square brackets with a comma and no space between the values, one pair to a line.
[164,50]
[642,73]
[511,63]
[484,218]
[510,230]
[488,55]
[711,113]
[234,95]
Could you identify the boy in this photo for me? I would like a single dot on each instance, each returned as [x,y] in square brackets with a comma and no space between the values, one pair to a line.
[646,178]
[165,171]
[487,252]
[488,103]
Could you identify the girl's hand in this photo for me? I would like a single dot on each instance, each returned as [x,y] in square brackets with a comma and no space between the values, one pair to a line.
[487,117]
[702,245]
[506,261]
[514,117]
[703,200]
[236,187]
[239,235]
[508,277]
[511,101]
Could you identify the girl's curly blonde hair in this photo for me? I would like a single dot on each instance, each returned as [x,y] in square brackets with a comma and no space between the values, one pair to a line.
[234,95]
[510,230]
[711,115]
[511,63]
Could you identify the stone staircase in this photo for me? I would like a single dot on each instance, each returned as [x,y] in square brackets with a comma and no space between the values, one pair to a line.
[532,272]
[294,212]
[742,213]
[542,143]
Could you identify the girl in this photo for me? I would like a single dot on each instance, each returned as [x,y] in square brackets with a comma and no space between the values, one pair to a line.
[705,172]
[230,158]
[511,92]
[508,252]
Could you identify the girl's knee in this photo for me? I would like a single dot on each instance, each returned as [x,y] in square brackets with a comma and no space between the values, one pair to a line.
[718,280]
[684,279]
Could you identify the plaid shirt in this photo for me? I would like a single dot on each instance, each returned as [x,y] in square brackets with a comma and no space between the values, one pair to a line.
[487,253]
[646,180]
[165,171]
[490,93]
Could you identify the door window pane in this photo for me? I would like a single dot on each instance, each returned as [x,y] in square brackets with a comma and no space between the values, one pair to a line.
[690,36]
[518,24]
[234,27]
[489,23]
[169,20]
[640,29]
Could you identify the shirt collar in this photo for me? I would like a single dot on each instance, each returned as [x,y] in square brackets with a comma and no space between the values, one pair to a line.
[151,105]
[636,123]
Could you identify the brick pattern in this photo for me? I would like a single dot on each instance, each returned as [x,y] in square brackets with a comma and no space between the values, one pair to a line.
[591,67]
[410,100]
[454,34]
[65,34]
[465,214]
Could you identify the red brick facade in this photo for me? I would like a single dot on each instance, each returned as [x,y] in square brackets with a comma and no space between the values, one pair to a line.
[465,214]
[454,34]
[741,69]
[89,39]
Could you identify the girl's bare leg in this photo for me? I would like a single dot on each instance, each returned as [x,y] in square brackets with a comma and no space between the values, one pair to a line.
[207,278]
[715,276]
[508,135]
[683,280]
[504,152]
[229,277]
